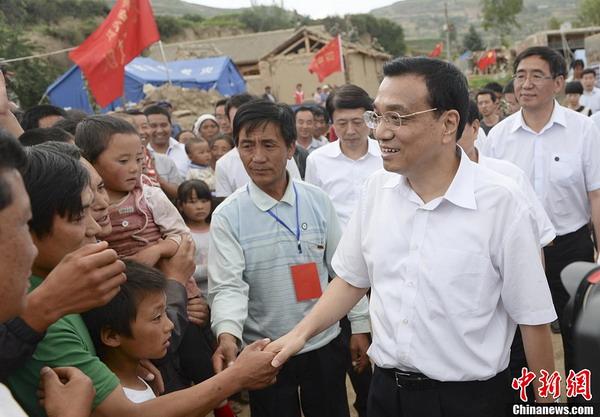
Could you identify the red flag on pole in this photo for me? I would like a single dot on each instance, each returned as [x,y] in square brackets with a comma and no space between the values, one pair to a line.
[128,29]
[328,60]
[437,50]
[488,59]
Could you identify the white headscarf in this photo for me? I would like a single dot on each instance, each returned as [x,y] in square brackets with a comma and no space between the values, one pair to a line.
[201,120]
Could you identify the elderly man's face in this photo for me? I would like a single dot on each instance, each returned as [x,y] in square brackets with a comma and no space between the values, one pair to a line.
[414,147]
[17,250]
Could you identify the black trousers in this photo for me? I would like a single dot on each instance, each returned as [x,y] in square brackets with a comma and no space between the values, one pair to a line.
[320,376]
[566,249]
[360,382]
[489,398]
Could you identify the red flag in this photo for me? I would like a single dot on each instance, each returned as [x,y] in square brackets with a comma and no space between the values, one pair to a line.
[328,60]
[488,59]
[437,50]
[128,29]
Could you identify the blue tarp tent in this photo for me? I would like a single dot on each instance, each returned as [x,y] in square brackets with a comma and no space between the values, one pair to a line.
[219,73]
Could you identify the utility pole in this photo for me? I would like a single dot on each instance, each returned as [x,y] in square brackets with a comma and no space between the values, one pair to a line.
[447,28]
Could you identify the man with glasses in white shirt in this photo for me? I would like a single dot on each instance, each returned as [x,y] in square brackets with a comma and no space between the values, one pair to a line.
[559,151]
[450,251]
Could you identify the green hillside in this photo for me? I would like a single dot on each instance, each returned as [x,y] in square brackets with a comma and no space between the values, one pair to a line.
[178,7]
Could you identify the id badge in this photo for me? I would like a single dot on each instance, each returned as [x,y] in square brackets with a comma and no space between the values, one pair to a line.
[306,281]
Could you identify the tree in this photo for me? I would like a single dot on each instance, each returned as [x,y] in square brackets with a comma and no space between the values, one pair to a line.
[501,15]
[589,12]
[472,41]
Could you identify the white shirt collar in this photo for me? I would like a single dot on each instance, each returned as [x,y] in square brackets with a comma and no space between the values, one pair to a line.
[461,191]
[558,116]
[373,148]
[265,202]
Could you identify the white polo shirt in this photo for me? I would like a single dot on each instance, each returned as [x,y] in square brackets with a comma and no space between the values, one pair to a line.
[314,144]
[562,162]
[449,279]
[547,233]
[341,177]
[591,100]
[177,153]
[230,173]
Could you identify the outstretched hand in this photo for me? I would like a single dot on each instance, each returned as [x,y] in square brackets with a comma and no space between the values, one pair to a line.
[7,119]
[285,347]
[253,366]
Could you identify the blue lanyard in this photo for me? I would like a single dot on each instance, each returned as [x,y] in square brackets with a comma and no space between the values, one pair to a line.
[297,234]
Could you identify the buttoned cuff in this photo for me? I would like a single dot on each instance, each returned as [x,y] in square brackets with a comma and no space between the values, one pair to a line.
[360,326]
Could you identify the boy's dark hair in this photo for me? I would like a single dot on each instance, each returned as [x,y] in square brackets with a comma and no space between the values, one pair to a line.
[473,112]
[157,110]
[588,71]
[509,88]
[12,156]
[118,314]
[76,115]
[188,145]
[258,113]
[495,87]
[320,111]
[184,193]
[556,62]
[237,100]
[485,91]
[574,87]
[577,63]
[95,132]
[61,147]
[226,138]
[39,135]
[54,182]
[446,85]
[348,96]
[31,117]
[303,108]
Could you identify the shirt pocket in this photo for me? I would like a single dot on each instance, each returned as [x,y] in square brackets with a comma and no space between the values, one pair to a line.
[565,168]
[457,280]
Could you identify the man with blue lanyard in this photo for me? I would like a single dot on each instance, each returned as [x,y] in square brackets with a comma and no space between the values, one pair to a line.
[270,254]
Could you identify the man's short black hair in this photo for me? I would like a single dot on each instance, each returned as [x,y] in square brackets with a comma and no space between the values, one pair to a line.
[509,88]
[238,100]
[494,86]
[556,62]
[118,314]
[54,182]
[589,71]
[574,87]
[303,108]
[473,113]
[70,125]
[44,134]
[157,110]
[446,85]
[12,156]
[320,111]
[61,147]
[485,91]
[258,113]
[348,96]
[95,132]
[31,117]
[577,63]
[221,102]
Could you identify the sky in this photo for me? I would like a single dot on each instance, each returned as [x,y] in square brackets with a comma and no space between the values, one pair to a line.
[314,8]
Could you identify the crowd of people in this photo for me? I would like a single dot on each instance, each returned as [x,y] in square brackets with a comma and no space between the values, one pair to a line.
[412,242]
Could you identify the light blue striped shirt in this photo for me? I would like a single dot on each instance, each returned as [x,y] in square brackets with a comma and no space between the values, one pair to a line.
[251,290]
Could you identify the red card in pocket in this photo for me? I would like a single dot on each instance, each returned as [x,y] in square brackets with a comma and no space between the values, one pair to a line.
[306,281]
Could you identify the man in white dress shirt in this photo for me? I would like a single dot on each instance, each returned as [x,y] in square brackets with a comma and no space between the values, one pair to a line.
[450,251]
[161,141]
[591,94]
[559,151]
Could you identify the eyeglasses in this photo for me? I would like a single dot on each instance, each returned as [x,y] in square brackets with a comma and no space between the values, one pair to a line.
[391,119]
[533,78]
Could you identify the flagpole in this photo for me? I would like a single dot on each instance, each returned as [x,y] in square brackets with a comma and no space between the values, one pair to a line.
[164,58]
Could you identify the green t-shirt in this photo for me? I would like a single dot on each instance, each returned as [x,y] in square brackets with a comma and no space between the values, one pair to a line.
[67,343]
